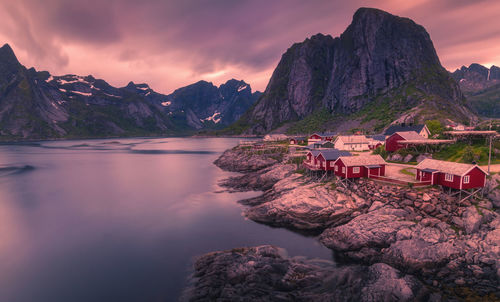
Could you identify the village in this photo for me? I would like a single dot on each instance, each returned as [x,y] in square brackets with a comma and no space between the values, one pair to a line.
[402,155]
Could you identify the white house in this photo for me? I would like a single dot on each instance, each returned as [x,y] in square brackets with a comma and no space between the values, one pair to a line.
[352,143]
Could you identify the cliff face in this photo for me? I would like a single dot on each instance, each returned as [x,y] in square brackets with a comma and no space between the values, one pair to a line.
[378,55]
[37,105]
[481,86]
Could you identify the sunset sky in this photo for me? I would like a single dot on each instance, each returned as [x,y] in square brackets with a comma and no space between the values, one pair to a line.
[169,44]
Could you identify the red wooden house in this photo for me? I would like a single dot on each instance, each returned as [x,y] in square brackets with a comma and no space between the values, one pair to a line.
[316,137]
[359,166]
[327,158]
[311,162]
[392,142]
[450,174]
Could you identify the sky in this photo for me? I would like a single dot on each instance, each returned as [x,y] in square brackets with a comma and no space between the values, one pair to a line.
[169,44]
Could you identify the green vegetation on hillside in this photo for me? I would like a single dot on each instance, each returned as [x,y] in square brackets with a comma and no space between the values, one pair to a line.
[486,102]
[465,153]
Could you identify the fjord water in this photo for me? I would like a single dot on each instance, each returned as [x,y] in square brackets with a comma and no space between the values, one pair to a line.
[119,219]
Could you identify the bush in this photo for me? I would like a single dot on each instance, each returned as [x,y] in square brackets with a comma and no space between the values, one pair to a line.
[381,151]
[469,155]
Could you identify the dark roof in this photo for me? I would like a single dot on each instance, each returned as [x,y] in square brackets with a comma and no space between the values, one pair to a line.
[333,154]
[315,152]
[378,137]
[373,166]
[429,170]
[299,138]
[403,128]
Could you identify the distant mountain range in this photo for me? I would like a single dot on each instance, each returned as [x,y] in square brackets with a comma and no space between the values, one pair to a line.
[481,86]
[37,105]
[382,68]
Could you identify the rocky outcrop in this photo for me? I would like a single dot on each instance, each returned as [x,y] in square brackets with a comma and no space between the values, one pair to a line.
[447,243]
[493,189]
[379,55]
[243,159]
[265,273]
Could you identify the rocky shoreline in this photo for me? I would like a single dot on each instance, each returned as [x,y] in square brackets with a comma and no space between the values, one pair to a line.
[447,248]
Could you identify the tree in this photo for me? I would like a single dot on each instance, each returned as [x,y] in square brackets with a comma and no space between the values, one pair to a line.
[468,156]
[435,127]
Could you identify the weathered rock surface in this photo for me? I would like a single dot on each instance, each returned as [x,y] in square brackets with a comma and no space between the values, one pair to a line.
[265,273]
[259,180]
[293,204]
[240,159]
[493,190]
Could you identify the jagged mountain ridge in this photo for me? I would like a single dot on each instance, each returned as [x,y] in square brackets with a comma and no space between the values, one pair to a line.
[37,105]
[380,60]
[481,86]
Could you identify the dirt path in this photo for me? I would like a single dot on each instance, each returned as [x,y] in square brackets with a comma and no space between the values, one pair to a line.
[394,171]
[493,168]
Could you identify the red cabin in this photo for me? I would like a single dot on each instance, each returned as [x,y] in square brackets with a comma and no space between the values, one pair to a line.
[327,158]
[316,137]
[392,142]
[311,162]
[450,174]
[360,166]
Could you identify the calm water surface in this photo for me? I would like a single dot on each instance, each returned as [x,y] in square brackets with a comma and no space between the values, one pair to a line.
[119,219]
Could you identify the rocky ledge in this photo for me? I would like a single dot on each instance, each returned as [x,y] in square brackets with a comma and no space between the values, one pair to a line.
[450,245]
[266,273]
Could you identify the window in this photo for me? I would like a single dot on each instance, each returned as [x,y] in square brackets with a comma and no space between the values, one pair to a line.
[448,177]
[423,174]
[343,169]
[331,164]
[355,170]
[466,179]
[336,168]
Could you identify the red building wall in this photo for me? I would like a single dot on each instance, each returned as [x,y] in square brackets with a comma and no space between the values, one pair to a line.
[339,164]
[351,174]
[455,184]
[426,177]
[391,143]
[477,179]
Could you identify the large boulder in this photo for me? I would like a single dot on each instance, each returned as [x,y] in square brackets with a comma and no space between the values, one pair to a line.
[472,219]
[265,273]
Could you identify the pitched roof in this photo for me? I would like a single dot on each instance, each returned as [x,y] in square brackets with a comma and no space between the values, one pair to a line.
[410,135]
[362,160]
[315,152]
[400,128]
[353,139]
[377,137]
[333,154]
[447,166]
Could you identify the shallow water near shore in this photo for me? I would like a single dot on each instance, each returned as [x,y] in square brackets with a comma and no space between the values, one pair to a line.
[119,219]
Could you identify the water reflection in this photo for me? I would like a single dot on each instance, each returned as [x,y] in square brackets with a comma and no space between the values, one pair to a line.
[105,220]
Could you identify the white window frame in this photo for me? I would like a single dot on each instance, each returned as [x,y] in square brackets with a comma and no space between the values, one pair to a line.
[355,170]
[336,168]
[466,179]
[332,164]
[343,170]
[423,174]
[448,177]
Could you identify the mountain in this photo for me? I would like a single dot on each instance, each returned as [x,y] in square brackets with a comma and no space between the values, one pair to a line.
[382,67]
[37,105]
[206,104]
[481,86]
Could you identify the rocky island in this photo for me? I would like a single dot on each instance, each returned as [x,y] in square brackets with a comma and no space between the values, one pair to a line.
[422,244]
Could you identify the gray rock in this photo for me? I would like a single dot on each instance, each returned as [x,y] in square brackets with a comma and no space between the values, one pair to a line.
[265,273]
[471,220]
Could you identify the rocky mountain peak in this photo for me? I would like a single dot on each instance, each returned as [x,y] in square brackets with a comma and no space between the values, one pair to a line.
[9,65]
[378,55]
